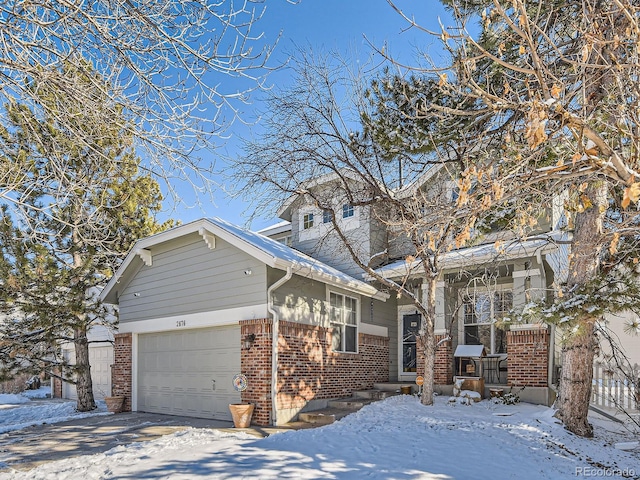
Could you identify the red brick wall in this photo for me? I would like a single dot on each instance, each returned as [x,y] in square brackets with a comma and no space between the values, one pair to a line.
[121,371]
[443,369]
[57,386]
[309,370]
[528,357]
[255,364]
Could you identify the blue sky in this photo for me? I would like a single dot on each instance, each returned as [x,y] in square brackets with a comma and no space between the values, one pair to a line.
[323,25]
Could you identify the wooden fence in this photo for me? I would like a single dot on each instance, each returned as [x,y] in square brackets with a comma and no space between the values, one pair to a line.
[613,388]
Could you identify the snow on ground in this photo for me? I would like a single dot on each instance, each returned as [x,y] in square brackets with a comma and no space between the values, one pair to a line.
[23,410]
[42,392]
[397,438]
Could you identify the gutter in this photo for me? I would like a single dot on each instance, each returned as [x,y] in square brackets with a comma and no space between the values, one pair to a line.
[275,333]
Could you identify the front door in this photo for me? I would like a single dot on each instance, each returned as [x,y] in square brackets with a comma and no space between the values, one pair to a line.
[410,327]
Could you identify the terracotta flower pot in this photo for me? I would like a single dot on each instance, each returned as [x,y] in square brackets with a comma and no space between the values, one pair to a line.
[241,413]
[114,404]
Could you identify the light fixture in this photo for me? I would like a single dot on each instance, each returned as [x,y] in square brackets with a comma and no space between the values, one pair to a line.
[247,343]
[248,271]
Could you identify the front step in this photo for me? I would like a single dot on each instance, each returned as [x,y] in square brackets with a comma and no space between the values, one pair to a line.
[374,394]
[317,418]
[340,408]
[347,403]
[325,416]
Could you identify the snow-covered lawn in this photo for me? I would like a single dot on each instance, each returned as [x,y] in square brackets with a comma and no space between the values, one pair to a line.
[397,438]
[22,410]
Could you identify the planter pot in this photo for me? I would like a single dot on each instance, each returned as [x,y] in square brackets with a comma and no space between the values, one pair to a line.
[241,413]
[114,404]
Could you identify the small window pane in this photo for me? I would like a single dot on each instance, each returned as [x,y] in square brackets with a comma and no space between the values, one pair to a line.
[347,211]
[335,307]
[350,339]
[307,221]
[326,216]
[350,311]
[336,338]
[482,308]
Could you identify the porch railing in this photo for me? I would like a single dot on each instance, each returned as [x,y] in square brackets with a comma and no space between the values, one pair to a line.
[614,388]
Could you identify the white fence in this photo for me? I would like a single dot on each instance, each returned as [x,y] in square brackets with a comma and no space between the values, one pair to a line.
[613,388]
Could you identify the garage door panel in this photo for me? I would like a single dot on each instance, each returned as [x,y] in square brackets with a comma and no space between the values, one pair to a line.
[100,359]
[176,369]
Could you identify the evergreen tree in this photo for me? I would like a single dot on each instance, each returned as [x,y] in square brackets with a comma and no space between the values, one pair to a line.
[84,203]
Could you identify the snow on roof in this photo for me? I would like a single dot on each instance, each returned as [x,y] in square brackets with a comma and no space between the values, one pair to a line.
[280,227]
[466,257]
[302,264]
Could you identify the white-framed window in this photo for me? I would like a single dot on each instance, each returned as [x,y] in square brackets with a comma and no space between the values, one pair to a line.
[347,210]
[343,318]
[480,310]
[288,240]
[307,221]
[326,216]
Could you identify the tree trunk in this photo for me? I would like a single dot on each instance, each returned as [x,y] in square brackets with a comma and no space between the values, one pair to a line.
[578,347]
[84,385]
[429,340]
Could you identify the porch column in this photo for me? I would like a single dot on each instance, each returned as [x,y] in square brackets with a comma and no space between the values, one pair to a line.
[443,368]
[528,285]
[528,356]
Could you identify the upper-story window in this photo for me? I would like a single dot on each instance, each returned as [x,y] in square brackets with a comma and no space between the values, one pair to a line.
[326,216]
[347,210]
[307,221]
[343,316]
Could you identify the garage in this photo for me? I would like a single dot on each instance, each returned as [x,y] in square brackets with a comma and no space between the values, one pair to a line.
[100,359]
[189,372]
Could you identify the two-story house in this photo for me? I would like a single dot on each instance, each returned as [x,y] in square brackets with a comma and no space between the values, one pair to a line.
[290,309]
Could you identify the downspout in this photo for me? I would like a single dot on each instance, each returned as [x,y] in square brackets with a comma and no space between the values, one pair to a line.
[274,342]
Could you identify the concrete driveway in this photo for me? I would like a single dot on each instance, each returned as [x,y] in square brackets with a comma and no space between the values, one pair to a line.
[27,448]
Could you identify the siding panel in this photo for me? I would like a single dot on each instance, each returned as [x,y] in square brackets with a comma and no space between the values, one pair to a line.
[191,278]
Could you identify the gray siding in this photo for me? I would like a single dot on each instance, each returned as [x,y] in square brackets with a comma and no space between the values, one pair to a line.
[329,249]
[300,300]
[385,314]
[187,277]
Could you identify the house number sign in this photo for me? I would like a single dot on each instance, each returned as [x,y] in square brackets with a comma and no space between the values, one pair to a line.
[181,323]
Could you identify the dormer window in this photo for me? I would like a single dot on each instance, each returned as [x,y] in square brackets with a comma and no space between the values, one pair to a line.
[347,210]
[307,221]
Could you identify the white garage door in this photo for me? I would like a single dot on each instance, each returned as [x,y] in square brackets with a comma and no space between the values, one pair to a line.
[100,359]
[189,372]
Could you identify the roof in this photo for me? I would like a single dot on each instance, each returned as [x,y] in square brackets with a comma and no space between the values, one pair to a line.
[470,351]
[271,252]
[467,257]
[276,229]
[341,175]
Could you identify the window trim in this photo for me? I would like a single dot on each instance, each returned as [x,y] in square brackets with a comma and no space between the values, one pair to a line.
[343,323]
[500,290]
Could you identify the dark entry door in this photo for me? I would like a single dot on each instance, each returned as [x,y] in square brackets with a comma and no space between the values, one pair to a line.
[410,329]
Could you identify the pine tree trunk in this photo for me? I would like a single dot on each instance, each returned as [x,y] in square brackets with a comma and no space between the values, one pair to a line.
[578,348]
[84,385]
[429,341]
